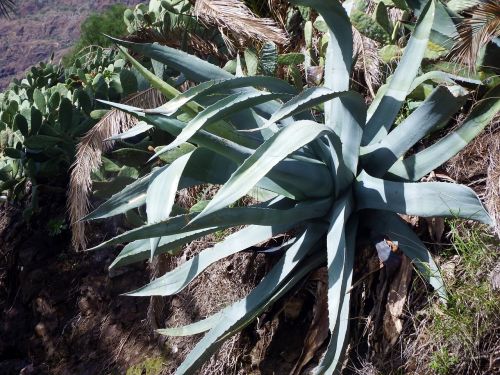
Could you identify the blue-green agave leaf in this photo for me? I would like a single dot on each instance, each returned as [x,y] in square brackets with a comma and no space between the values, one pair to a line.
[421,199]
[275,149]
[418,165]
[391,225]
[241,313]
[160,196]
[383,118]
[176,280]
[436,109]
[228,217]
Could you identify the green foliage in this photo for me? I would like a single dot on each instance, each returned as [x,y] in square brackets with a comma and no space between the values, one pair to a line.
[92,30]
[44,115]
[326,160]
[150,366]
[442,362]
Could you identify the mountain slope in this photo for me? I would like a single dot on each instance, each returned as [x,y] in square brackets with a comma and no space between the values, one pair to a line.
[40,28]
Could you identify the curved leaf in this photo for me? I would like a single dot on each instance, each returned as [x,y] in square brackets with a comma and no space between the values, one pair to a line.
[176,280]
[421,199]
[139,250]
[194,328]
[396,229]
[271,152]
[304,101]
[228,217]
[138,129]
[436,109]
[423,162]
[241,313]
[383,118]
[161,192]
[218,111]
[337,70]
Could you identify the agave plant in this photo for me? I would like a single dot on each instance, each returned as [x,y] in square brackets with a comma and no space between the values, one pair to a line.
[330,167]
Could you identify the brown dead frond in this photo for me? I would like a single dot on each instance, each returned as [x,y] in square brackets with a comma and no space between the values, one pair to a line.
[201,47]
[368,60]
[88,158]
[480,25]
[233,16]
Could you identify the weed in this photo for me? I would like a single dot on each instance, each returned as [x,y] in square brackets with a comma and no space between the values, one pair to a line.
[462,332]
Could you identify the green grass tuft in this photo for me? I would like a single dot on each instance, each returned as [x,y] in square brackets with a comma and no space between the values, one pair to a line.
[462,331]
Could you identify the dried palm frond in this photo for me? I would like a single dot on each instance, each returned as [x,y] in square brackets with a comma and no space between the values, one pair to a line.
[88,158]
[480,25]
[202,47]
[235,17]
[368,60]
[6,7]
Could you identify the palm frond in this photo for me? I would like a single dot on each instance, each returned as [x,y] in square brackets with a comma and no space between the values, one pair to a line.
[481,24]
[236,18]
[6,7]
[88,158]
[368,60]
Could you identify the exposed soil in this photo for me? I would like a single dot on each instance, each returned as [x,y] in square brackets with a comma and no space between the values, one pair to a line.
[61,311]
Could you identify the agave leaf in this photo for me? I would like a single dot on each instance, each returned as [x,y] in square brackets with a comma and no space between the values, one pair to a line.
[304,101]
[418,165]
[421,199]
[139,250]
[383,118]
[241,313]
[222,129]
[352,116]
[438,76]
[132,196]
[235,216]
[340,270]
[197,70]
[272,84]
[138,129]
[262,161]
[161,192]
[218,111]
[337,70]
[204,166]
[436,109]
[193,328]
[174,281]
[396,229]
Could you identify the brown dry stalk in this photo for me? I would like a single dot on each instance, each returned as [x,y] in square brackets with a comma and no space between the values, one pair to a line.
[482,23]
[88,158]
[235,17]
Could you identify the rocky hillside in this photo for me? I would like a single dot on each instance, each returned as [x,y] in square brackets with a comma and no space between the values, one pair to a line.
[40,28]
